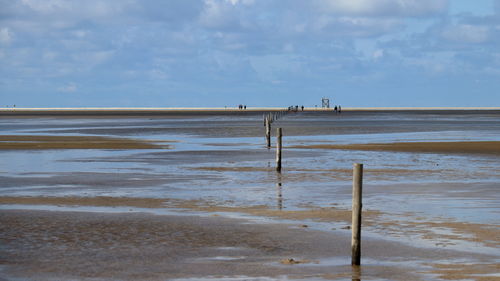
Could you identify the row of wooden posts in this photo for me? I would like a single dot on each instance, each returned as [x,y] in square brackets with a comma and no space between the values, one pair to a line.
[357,188]
[268,120]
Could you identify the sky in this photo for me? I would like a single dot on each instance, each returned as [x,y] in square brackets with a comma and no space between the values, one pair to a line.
[215,53]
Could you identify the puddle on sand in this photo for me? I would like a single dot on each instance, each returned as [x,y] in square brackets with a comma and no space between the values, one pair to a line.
[220,258]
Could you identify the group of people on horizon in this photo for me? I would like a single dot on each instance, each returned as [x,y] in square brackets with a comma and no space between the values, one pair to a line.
[295,108]
[242,106]
[337,109]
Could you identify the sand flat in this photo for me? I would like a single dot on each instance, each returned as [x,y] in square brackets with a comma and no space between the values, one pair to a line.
[197,211]
[73,142]
[466,147]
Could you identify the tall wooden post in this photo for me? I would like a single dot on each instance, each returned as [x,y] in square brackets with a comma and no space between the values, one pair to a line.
[278,149]
[268,132]
[357,187]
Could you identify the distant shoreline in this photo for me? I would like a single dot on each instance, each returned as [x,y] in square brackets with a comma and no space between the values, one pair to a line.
[145,111]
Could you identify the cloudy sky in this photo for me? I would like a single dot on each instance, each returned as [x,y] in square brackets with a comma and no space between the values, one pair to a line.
[256,52]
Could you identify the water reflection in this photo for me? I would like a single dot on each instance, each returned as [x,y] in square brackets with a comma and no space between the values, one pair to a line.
[279,196]
[356,273]
[279,192]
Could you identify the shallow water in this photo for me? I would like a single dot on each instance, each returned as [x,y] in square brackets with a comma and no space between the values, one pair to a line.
[222,159]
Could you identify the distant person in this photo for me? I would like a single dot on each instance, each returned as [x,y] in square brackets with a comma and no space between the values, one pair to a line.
[335,109]
[245,107]
[302,108]
[340,109]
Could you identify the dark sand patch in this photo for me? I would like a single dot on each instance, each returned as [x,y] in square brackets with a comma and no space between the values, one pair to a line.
[473,147]
[74,142]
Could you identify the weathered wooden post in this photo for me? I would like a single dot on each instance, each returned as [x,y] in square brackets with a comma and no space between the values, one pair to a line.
[357,187]
[268,132]
[278,150]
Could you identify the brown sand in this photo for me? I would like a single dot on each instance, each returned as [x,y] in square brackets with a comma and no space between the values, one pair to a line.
[472,232]
[74,142]
[475,147]
[320,214]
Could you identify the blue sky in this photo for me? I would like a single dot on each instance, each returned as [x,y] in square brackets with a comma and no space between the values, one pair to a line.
[61,53]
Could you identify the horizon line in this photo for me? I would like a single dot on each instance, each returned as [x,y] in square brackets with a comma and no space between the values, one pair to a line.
[236,108]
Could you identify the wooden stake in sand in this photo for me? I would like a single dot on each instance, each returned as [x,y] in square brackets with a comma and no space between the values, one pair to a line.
[278,150]
[357,187]
[268,131]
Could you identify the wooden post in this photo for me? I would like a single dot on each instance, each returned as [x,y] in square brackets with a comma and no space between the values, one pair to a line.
[268,132]
[357,187]
[278,150]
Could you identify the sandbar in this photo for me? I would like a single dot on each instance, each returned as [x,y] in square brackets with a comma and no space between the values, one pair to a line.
[467,147]
[74,142]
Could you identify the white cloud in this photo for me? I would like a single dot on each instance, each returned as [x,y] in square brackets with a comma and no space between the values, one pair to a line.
[356,26]
[218,14]
[384,7]
[244,2]
[5,36]
[466,33]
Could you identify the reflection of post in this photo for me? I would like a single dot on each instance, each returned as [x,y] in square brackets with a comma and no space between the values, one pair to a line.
[280,196]
[357,186]
[356,273]
[268,132]
[278,150]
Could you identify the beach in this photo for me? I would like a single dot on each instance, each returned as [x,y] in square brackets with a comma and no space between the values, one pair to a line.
[192,194]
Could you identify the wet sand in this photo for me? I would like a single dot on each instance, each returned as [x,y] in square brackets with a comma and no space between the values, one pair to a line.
[73,142]
[45,245]
[480,147]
